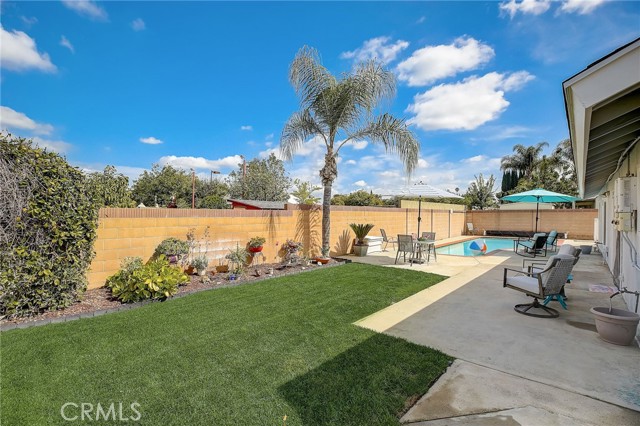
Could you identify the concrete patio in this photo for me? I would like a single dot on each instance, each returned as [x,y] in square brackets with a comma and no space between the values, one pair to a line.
[510,367]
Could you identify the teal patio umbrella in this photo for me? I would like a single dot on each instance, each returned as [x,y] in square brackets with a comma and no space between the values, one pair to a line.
[538,196]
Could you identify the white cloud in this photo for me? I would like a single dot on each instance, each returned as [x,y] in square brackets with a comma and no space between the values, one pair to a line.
[421,19]
[532,7]
[360,183]
[19,53]
[200,162]
[269,136]
[29,21]
[379,48]
[246,128]
[581,7]
[138,24]
[465,105]
[389,174]
[151,140]
[66,43]
[11,119]
[351,162]
[432,63]
[358,145]
[268,144]
[87,8]
[60,147]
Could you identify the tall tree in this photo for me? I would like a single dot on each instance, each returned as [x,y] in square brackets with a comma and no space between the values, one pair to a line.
[109,188]
[357,198]
[481,193]
[161,184]
[339,111]
[264,180]
[524,159]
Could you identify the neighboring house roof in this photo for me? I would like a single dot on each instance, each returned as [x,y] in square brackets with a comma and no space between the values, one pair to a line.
[602,103]
[262,205]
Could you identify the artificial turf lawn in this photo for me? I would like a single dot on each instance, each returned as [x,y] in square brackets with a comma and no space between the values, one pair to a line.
[246,355]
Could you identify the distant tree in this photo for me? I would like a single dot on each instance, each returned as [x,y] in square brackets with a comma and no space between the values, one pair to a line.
[524,160]
[213,202]
[481,193]
[265,180]
[358,198]
[109,188]
[303,193]
[161,184]
[340,111]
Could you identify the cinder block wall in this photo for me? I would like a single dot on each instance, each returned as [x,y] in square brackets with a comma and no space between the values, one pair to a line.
[137,232]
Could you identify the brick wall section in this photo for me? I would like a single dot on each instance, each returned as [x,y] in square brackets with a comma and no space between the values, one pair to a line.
[137,232]
[578,223]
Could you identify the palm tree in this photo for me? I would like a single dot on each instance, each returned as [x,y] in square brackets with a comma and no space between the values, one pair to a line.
[340,111]
[524,160]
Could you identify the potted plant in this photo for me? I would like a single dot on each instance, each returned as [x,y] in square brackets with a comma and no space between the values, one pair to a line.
[174,249]
[256,244]
[200,264]
[361,230]
[324,257]
[291,249]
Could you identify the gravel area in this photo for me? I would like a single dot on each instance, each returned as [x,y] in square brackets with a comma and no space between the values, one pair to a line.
[99,301]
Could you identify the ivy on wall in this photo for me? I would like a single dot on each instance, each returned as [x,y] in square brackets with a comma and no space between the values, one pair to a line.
[48,226]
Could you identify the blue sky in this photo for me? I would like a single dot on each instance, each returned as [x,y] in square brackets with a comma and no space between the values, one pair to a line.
[198,84]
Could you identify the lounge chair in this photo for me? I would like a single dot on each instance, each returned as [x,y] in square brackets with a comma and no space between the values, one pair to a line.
[552,241]
[386,240]
[531,247]
[470,228]
[540,285]
[406,245]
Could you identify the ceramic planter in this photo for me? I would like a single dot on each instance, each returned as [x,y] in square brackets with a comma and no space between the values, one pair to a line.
[617,326]
[360,250]
[322,260]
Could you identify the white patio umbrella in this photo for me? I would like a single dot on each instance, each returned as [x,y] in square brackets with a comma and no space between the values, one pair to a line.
[423,190]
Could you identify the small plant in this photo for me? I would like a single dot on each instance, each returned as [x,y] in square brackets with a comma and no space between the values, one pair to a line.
[361,230]
[257,242]
[155,280]
[238,259]
[292,246]
[200,263]
[173,248]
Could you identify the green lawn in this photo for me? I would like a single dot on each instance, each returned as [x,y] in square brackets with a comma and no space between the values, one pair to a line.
[246,355]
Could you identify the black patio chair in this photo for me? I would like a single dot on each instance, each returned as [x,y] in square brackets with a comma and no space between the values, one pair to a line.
[531,247]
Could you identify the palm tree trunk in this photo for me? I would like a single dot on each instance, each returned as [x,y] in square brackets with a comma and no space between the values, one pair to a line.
[326,216]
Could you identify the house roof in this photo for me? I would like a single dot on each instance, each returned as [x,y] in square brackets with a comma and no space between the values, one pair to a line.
[264,205]
[602,103]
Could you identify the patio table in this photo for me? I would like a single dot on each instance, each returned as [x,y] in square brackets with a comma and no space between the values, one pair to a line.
[423,247]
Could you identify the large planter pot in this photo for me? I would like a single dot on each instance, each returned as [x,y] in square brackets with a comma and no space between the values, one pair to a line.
[360,250]
[618,327]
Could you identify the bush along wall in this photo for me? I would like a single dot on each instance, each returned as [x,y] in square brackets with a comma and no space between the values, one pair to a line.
[47,229]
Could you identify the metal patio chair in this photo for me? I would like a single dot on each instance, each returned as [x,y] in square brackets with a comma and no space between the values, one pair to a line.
[540,285]
[386,240]
[531,247]
[406,245]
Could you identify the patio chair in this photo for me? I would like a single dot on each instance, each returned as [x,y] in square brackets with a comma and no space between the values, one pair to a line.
[540,285]
[470,228]
[531,247]
[432,237]
[552,241]
[386,240]
[565,249]
[406,245]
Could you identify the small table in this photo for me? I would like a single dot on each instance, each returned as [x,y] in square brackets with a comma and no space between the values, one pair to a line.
[424,246]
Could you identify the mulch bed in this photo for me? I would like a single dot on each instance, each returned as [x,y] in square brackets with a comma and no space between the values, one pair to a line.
[98,301]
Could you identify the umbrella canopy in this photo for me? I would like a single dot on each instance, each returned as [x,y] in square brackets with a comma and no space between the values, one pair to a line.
[423,190]
[538,196]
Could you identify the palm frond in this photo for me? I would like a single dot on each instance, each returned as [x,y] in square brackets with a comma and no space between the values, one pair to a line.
[372,84]
[308,77]
[396,137]
[297,130]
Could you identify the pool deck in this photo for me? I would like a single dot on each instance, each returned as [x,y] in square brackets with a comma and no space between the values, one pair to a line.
[511,368]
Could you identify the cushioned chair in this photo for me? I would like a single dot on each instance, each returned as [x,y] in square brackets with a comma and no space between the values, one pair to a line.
[386,240]
[566,249]
[406,245]
[541,284]
[531,247]
[552,241]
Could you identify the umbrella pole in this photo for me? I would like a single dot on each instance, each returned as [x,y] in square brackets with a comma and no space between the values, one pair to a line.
[419,213]
[537,205]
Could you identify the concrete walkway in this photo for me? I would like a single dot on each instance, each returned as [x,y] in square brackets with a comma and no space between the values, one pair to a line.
[512,368]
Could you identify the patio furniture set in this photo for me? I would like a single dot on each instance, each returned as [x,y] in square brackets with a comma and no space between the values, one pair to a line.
[418,249]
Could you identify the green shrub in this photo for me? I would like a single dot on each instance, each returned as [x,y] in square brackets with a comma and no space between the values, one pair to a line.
[172,246]
[47,229]
[155,280]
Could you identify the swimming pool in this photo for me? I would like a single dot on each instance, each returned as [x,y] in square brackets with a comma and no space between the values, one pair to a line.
[462,249]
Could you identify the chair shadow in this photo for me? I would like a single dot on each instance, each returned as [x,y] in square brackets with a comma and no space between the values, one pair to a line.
[372,383]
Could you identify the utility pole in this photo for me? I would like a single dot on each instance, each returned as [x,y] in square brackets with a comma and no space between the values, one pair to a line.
[244,173]
[193,189]
[213,172]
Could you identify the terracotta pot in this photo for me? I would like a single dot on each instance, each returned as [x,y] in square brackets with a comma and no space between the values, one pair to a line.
[255,249]
[322,260]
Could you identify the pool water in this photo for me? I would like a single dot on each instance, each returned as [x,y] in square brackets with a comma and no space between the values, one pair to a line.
[462,249]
